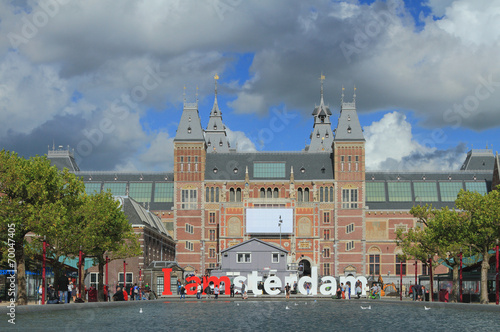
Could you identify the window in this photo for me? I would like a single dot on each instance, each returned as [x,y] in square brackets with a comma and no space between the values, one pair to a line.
[326,217]
[326,194]
[269,170]
[243,258]
[374,264]
[91,188]
[349,228]
[117,189]
[398,265]
[262,193]
[238,195]
[326,252]
[399,191]
[189,246]
[425,192]
[303,195]
[449,190]
[141,192]
[212,235]
[375,191]
[349,198]
[129,278]
[326,234]
[479,187]
[326,269]
[425,271]
[349,245]
[189,229]
[275,193]
[211,219]
[211,253]
[306,195]
[189,199]
[159,284]
[232,195]
[94,279]
[275,257]
[164,192]
[300,195]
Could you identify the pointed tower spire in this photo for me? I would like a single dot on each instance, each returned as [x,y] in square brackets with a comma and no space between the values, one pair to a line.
[322,135]
[215,134]
[354,96]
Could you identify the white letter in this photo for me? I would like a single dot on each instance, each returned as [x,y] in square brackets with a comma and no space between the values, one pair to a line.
[328,282]
[274,282]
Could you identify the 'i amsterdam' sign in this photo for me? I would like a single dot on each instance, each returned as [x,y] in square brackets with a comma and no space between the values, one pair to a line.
[272,285]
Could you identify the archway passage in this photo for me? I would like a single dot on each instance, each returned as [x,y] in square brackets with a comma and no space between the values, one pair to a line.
[305,267]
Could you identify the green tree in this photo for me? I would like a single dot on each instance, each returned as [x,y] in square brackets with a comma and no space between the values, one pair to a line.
[442,238]
[483,214]
[34,197]
[106,231]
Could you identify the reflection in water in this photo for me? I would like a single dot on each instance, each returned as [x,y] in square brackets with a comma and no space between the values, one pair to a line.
[250,315]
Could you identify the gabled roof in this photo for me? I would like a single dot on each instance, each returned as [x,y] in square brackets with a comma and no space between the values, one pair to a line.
[137,215]
[270,245]
[232,166]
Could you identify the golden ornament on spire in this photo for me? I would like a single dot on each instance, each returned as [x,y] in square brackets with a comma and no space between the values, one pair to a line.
[216,77]
[322,77]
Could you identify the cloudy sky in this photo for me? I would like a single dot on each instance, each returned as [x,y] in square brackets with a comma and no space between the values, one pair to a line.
[107,78]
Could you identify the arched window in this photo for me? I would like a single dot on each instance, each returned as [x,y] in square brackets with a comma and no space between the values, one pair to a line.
[231,195]
[238,195]
[321,194]
[269,193]
[331,194]
[217,194]
[262,193]
[326,194]
[300,196]
[275,193]
[306,195]
[212,194]
[207,195]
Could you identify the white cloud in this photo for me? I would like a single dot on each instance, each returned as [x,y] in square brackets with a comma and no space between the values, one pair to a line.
[390,145]
[239,141]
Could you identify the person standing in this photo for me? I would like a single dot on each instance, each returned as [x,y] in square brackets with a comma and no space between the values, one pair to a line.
[232,290]
[348,287]
[216,291]
[287,290]
[243,291]
[198,291]
[183,292]
[62,287]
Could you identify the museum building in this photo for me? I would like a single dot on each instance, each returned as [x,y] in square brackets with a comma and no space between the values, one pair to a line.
[319,204]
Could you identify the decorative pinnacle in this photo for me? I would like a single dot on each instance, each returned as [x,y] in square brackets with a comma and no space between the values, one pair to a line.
[342,97]
[354,96]
[322,78]
[216,77]
[184,94]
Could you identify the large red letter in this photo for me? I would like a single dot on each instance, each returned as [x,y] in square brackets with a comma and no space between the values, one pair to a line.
[166,282]
[191,286]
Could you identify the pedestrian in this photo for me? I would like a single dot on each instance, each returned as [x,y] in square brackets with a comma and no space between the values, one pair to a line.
[183,292]
[62,287]
[198,291]
[216,291]
[342,287]
[119,294]
[243,291]
[52,295]
[40,293]
[287,290]
[308,287]
[208,291]
[232,290]
[70,290]
[179,287]
[358,290]
[339,292]
[348,287]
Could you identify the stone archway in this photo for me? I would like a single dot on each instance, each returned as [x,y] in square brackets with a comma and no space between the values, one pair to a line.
[305,267]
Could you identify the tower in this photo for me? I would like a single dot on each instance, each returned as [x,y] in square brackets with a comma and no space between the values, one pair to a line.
[189,175]
[215,134]
[349,174]
[322,135]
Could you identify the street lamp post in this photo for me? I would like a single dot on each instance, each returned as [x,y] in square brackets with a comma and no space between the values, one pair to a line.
[80,272]
[280,221]
[400,280]
[460,283]
[43,269]
[432,282]
[497,276]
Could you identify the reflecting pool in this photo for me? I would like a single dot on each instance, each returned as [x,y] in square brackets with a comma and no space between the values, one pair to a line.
[249,315]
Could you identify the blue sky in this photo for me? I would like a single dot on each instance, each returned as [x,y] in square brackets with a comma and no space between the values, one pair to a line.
[107,78]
